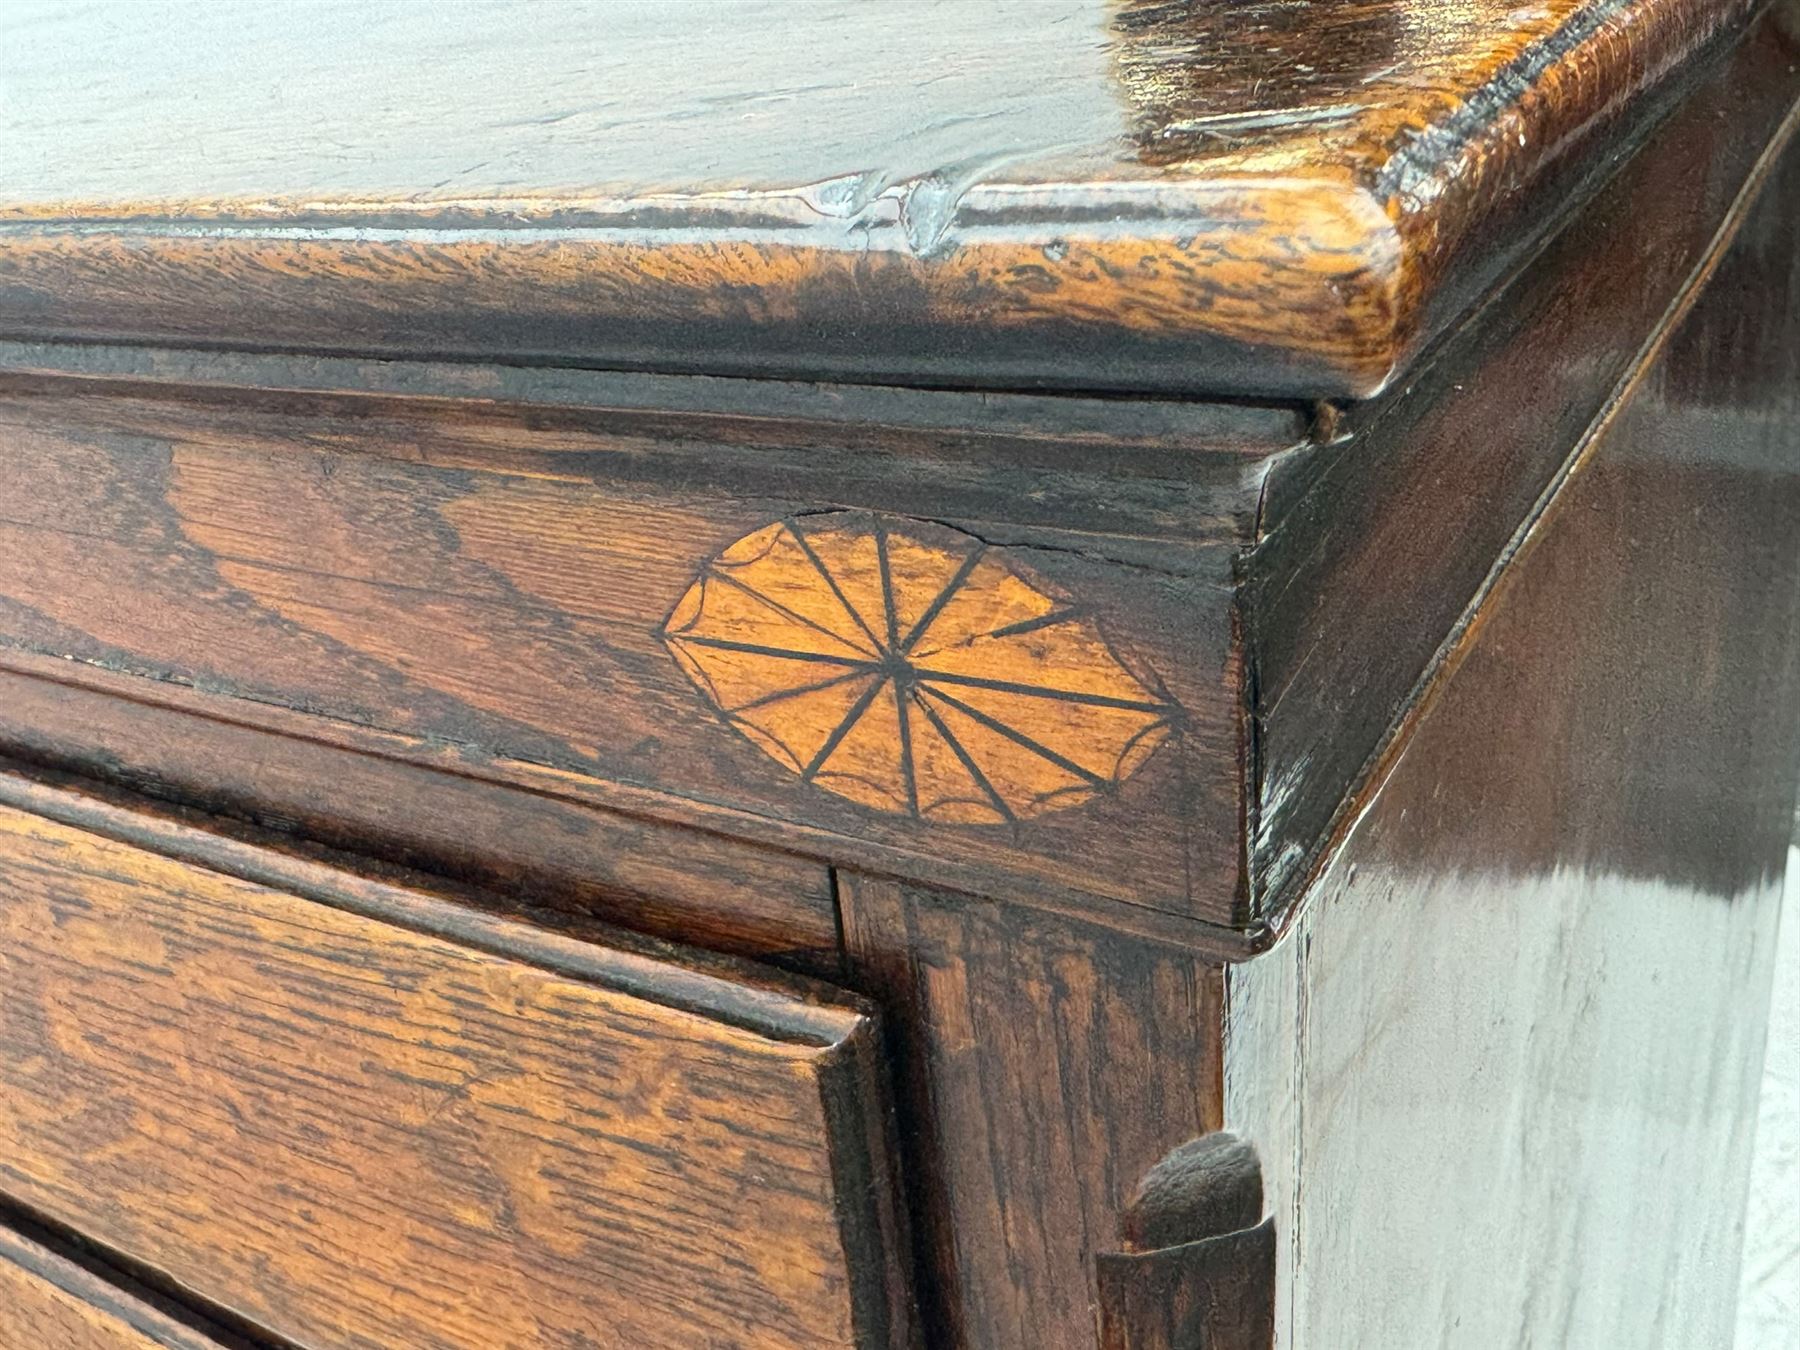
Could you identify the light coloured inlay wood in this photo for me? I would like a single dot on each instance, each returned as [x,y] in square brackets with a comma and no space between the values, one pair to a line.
[914,669]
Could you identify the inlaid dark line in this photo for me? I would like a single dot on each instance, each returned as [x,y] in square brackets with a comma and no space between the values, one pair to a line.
[699,609]
[887,587]
[842,729]
[788,613]
[757,649]
[925,673]
[692,669]
[1037,748]
[1049,620]
[943,597]
[968,761]
[831,581]
[906,749]
[781,694]
[1161,724]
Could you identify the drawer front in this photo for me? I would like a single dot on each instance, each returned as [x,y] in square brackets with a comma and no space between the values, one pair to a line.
[48,1301]
[703,890]
[375,1118]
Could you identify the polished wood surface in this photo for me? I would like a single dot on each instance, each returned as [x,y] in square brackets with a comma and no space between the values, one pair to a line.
[1183,636]
[1156,567]
[373,1118]
[1045,1065]
[534,847]
[914,669]
[1518,1032]
[51,1300]
[1201,196]
[1198,622]
[1418,499]
[513,594]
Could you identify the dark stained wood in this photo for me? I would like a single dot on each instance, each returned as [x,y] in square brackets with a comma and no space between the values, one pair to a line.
[477,568]
[1532,988]
[538,848]
[1217,1294]
[1642,656]
[1197,1269]
[1392,530]
[51,1299]
[356,1113]
[492,588]
[1204,196]
[815,416]
[1045,1066]
[402,583]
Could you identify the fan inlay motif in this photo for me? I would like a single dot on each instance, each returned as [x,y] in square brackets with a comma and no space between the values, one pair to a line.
[913,669]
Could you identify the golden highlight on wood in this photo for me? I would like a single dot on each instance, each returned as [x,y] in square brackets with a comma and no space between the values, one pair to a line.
[913,669]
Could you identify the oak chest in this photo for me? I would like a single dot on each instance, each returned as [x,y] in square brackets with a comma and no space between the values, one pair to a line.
[1103,675]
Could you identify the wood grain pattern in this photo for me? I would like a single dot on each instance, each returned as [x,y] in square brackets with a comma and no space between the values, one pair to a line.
[488,588]
[1215,1294]
[1198,1261]
[49,1300]
[1045,1066]
[1532,989]
[401,1123]
[1395,529]
[475,568]
[536,848]
[471,567]
[912,668]
[1203,196]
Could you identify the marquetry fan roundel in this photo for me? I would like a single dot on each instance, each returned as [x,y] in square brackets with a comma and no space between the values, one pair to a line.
[913,669]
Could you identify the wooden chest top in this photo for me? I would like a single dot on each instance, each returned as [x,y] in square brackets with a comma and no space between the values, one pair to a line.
[408,423]
[738,673]
[1212,197]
